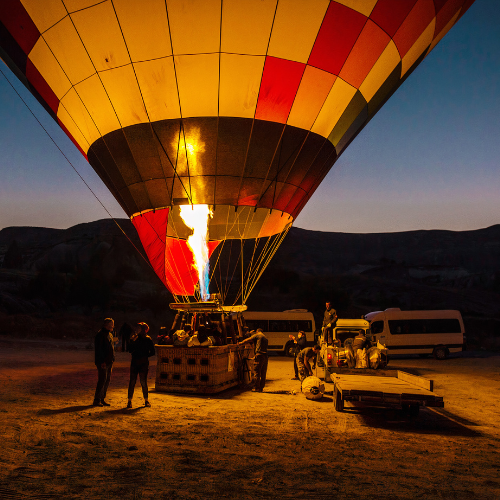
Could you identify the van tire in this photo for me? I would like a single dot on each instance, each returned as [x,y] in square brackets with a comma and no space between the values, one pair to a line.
[441,353]
[289,349]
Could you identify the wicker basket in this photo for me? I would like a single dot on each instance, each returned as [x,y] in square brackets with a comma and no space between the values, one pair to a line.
[201,370]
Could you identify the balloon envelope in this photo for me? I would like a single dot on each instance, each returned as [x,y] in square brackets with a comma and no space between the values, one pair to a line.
[242,105]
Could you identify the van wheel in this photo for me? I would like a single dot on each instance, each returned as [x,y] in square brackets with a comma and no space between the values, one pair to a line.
[440,353]
[289,349]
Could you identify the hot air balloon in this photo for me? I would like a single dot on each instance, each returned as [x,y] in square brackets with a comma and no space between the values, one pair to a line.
[233,110]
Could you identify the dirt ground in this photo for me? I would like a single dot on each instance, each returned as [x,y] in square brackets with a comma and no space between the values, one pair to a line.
[240,444]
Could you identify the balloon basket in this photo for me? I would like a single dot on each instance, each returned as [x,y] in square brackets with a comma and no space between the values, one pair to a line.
[201,370]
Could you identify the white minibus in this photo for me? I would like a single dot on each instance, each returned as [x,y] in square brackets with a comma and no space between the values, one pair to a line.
[278,326]
[418,332]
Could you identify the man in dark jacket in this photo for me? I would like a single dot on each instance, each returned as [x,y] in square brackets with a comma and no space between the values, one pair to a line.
[142,347]
[260,360]
[104,344]
[329,322]
[299,344]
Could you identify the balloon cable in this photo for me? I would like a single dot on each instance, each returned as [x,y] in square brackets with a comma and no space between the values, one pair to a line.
[74,168]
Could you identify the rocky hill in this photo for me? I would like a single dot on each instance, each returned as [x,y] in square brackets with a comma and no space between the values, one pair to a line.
[61,282]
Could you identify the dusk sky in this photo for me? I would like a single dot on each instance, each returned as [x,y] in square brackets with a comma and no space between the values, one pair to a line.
[430,158]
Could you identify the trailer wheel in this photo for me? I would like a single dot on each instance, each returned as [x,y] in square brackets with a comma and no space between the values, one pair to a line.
[289,349]
[337,400]
[440,353]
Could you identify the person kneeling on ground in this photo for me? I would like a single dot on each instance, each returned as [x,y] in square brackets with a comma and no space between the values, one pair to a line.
[304,359]
[141,347]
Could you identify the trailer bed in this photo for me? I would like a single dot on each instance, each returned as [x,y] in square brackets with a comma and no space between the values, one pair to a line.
[406,391]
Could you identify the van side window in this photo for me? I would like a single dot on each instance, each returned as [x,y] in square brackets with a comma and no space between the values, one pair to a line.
[253,324]
[278,325]
[377,327]
[423,326]
[304,325]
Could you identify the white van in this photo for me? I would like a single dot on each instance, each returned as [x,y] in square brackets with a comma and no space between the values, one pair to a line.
[278,326]
[418,332]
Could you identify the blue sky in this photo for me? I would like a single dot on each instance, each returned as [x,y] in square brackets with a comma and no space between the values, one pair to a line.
[430,159]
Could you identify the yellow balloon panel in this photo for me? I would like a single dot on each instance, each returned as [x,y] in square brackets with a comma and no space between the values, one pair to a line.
[69,51]
[194,26]
[45,14]
[45,62]
[145,28]
[100,33]
[123,91]
[246,25]
[96,102]
[80,133]
[74,5]
[418,48]
[196,99]
[311,95]
[240,78]
[381,70]
[158,87]
[295,28]
[76,118]
[339,97]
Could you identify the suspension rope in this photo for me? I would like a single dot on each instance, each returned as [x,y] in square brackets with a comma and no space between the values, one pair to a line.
[76,171]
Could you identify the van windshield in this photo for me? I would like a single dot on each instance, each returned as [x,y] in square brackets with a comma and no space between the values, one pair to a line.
[347,333]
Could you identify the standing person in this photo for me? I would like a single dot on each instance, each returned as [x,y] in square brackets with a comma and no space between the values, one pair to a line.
[304,359]
[104,344]
[360,341]
[299,344]
[141,347]
[260,359]
[329,321]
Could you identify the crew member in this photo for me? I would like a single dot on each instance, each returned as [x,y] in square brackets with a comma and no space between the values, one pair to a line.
[299,343]
[360,341]
[260,360]
[329,322]
[304,359]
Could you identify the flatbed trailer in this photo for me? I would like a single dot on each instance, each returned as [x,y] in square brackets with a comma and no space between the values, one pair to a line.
[404,391]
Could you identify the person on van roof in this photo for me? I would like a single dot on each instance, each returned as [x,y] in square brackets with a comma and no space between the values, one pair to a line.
[329,322]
